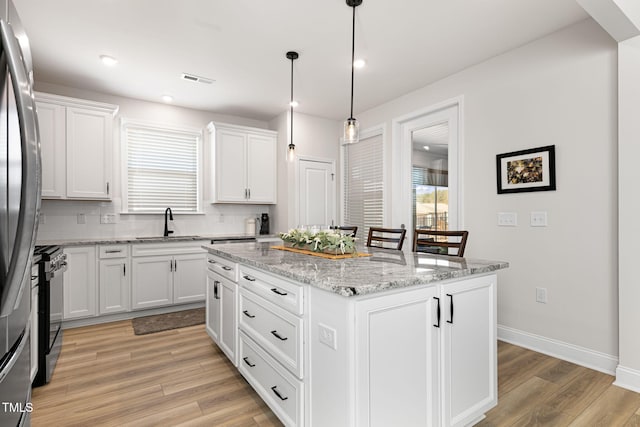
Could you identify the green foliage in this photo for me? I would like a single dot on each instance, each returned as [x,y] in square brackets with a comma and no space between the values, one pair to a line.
[322,241]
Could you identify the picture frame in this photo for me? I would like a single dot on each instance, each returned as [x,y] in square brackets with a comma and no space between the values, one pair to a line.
[527,170]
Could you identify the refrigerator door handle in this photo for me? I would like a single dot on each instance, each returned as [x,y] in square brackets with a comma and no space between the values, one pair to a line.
[4,371]
[31,179]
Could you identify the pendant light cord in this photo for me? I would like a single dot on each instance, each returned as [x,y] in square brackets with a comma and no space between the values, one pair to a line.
[291,102]
[353,55]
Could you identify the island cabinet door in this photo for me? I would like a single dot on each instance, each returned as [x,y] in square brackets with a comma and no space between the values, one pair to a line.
[397,360]
[468,350]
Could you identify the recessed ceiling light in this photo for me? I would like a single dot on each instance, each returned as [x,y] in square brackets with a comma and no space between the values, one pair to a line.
[294,104]
[359,63]
[109,61]
[167,98]
[426,147]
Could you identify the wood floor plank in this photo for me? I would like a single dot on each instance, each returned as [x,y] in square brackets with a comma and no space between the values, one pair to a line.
[108,376]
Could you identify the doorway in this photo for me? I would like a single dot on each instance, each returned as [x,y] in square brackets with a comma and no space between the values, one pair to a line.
[317,192]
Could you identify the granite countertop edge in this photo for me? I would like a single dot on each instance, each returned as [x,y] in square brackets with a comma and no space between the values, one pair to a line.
[147,239]
[366,287]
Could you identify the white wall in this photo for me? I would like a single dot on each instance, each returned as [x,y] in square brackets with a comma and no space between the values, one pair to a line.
[629,205]
[560,90]
[313,137]
[61,216]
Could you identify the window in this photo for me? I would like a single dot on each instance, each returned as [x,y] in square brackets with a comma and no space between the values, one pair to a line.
[162,168]
[363,184]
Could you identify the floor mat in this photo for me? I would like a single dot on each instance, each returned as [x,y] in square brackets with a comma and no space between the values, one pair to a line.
[164,322]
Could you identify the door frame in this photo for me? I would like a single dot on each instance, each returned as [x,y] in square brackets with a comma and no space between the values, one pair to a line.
[402,128]
[296,197]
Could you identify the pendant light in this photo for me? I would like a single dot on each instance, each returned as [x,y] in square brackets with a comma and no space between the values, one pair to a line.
[291,151]
[351,125]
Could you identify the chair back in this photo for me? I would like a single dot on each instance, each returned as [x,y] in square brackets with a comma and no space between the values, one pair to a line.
[389,238]
[346,229]
[439,242]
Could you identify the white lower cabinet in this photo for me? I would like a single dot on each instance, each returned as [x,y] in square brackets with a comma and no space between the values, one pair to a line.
[114,279]
[167,273]
[80,283]
[222,318]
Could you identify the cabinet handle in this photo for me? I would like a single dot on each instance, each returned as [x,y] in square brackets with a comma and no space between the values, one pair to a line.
[277,291]
[224,267]
[246,313]
[249,278]
[249,190]
[277,393]
[211,261]
[245,193]
[437,325]
[170,265]
[251,365]
[175,265]
[275,334]
[124,269]
[107,187]
[113,251]
[215,289]
[450,309]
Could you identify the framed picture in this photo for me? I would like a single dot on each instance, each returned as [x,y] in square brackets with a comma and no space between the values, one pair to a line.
[527,170]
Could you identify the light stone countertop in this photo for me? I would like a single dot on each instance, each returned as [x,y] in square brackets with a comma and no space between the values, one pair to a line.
[384,270]
[147,239]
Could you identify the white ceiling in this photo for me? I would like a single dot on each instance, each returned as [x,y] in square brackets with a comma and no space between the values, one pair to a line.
[241,44]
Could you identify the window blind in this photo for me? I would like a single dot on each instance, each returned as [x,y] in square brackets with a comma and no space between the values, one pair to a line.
[363,184]
[162,169]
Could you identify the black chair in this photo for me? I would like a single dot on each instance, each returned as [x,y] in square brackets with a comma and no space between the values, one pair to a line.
[379,236]
[439,242]
[346,229]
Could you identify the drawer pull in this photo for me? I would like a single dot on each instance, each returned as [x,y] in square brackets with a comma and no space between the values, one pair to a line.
[275,334]
[246,313]
[277,393]
[251,365]
[113,251]
[278,291]
[210,261]
[224,267]
[249,278]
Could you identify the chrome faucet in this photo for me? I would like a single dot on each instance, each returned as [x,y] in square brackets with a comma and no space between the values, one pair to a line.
[166,225]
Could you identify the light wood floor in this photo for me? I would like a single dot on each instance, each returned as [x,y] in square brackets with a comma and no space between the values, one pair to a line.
[107,376]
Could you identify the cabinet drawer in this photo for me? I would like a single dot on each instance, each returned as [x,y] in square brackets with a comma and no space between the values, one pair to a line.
[277,387]
[166,248]
[280,292]
[277,330]
[113,251]
[223,267]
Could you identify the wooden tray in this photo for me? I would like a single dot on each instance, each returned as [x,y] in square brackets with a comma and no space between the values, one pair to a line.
[320,254]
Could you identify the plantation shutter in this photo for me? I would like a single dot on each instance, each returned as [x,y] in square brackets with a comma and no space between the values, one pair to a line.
[162,169]
[363,184]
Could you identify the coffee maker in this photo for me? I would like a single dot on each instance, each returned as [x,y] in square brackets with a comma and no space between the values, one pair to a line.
[264,224]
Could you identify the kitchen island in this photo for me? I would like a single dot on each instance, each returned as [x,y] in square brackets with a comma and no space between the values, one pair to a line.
[383,339]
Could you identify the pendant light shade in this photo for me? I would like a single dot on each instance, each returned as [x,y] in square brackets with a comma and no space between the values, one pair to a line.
[351,125]
[291,149]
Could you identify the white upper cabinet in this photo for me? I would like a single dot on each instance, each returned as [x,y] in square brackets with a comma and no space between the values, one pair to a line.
[76,139]
[244,162]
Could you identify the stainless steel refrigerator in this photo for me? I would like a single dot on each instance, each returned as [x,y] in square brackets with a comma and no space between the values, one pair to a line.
[19,210]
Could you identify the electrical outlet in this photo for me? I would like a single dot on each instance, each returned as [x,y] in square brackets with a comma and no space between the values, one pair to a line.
[81,218]
[109,218]
[538,219]
[42,219]
[327,336]
[507,219]
[541,295]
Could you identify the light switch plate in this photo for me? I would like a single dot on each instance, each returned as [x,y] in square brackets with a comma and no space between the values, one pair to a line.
[507,219]
[81,219]
[538,219]
[109,218]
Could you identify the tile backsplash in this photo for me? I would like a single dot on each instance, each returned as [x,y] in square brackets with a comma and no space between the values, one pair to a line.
[63,219]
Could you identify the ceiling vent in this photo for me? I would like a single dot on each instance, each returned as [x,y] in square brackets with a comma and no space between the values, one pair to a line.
[194,78]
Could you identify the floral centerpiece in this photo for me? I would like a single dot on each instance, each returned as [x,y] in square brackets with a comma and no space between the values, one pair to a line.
[327,241]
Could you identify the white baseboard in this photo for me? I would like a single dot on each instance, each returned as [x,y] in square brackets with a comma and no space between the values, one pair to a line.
[627,378]
[572,353]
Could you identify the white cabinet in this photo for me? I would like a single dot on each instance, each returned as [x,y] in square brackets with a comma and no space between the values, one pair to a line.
[114,279]
[77,147]
[468,350]
[167,273]
[80,282]
[221,307]
[244,162]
